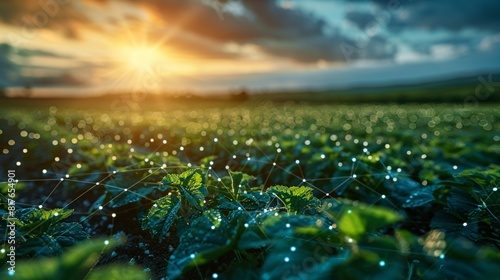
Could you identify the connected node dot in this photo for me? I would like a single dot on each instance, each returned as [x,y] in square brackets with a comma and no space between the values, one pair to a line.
[106,242]
[287,259]
[464,224]
[381,263]
[113,215]
[293,249]
[215,275]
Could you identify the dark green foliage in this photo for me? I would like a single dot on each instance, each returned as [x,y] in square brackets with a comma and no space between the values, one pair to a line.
[274,192]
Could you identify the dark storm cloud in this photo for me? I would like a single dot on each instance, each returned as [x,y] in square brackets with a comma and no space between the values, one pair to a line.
[11,74]
[453,15]
[276,30]
[6,66]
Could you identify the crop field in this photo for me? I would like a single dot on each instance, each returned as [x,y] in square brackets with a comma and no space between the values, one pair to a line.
[251,191]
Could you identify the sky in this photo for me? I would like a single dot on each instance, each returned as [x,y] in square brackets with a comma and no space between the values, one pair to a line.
[74,47]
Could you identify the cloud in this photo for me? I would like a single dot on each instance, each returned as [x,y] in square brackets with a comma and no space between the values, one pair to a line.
[453,15]
[14,74]
[277,30]
[64,16]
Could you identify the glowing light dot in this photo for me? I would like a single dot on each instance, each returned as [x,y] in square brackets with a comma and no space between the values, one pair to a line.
[287,259]
[387,177]
[353,159]
[349,211]
[40,206]
[67,176]
[287,225]
[100,207]
[56,214]
[354,176]
[2,251]
[212,227]
[216,140]
[441,256]
[181,148]
[495,189]
[125,190]
[322,156]
[464,224]
[106,242]
[304,180]
[381,263]
[297,161]
[455,167]
[192,256]
[349,240]
[246,225]
[18,163]
[394,179]
[11,272]
[293,249]
[62,179]
[113,215]
[215,275]
[383,196]
[274,163]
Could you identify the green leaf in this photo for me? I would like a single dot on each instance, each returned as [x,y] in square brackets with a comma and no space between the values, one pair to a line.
[118,272]
[75,264]
[295,199]
[239,181]
[162,215]
[67,234]
[190,185]
[208,237]
[357,219]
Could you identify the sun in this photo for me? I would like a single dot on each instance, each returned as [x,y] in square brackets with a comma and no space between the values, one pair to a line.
[141,59]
